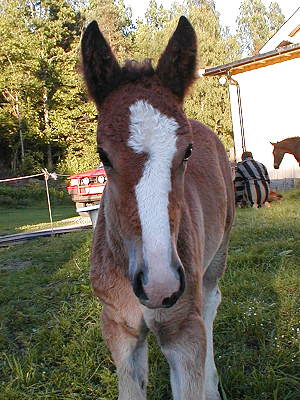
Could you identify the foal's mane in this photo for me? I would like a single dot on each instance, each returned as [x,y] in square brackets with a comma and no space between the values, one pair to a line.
[133,70]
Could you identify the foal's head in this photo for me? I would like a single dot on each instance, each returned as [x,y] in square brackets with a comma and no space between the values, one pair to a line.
[144,141]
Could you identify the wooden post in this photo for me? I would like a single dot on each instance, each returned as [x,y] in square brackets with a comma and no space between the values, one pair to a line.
[46,176]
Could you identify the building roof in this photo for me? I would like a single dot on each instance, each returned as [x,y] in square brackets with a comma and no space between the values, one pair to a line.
[289,32]
[282,46]
[258,61]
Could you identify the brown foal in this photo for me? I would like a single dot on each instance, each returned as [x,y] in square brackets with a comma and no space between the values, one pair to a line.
[161,238]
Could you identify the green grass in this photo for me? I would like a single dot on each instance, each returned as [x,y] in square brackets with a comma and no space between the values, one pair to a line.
[15,220]
[258,324]
[50,341]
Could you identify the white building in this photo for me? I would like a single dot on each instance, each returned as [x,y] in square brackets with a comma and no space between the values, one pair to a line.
[267,86]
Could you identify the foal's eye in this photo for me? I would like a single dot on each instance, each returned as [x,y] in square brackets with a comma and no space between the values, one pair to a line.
[188,152]
[104,157]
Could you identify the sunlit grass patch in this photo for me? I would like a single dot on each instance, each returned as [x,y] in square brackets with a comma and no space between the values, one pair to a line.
[64,222]
[50,340]
[257,328]
[16,220]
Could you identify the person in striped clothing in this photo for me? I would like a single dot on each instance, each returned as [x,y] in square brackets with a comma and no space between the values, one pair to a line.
[252,182]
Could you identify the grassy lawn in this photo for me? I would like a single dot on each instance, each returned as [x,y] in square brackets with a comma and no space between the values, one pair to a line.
[16,220]
[50,341]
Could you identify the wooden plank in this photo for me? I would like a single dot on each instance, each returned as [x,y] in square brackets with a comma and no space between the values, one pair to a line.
[295,31]
[264,63]
[254,62]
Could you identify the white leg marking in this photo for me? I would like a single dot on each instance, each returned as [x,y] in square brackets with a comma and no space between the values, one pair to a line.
[154,133]
[187,380]
[133,374]
[212,300]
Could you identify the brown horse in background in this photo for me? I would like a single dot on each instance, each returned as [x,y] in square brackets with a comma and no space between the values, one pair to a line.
[161,238]
[289,145]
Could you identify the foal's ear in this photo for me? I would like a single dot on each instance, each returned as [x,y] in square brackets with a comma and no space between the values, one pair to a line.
[273,144]
[100,67]
[177,65]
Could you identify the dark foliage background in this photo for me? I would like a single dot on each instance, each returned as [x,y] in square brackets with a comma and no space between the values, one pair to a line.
[46,119]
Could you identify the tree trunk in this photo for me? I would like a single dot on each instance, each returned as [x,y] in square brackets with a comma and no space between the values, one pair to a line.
[49,158]
[47,128]
[20,130]
[14,159]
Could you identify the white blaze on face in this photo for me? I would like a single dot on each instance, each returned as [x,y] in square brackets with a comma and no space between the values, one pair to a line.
[153,133]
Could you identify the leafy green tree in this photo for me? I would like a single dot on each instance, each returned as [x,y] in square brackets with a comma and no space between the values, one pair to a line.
[256,24]
[115,22]
[45,115]
[152,35]
[276,18]
[15,82]
[156,16]
[37,40]
[56,26]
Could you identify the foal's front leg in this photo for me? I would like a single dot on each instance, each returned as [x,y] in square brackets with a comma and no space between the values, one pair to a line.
[126,339]
[184,345]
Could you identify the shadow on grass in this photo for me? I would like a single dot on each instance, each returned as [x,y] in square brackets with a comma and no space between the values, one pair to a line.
[51,346]
[50,342]
[39,299]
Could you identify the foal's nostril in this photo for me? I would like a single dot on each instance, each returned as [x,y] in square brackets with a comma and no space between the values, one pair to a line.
[181,274]
[138,287]
[170,301]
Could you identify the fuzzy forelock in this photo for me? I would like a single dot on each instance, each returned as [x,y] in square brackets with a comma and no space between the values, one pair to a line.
[134,70]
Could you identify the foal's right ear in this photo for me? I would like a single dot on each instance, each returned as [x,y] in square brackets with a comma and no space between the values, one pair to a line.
[100,67]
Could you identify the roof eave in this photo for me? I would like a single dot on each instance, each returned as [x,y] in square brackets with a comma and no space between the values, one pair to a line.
[258,61]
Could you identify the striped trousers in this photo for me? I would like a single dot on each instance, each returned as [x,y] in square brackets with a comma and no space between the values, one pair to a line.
[251,192]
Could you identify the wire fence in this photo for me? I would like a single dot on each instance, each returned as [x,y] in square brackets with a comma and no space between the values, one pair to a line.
[48,177]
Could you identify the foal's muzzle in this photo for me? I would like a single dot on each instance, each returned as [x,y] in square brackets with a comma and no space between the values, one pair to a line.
[156,274]
[158,294]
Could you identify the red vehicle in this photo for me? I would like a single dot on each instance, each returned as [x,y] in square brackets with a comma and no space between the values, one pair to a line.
[86,188]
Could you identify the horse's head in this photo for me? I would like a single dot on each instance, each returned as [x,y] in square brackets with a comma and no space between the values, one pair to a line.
[144,141]
[278,154]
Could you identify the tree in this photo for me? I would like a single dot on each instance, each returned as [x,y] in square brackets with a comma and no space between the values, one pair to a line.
[256,24]
[56,26]
[45,115]
[115,22]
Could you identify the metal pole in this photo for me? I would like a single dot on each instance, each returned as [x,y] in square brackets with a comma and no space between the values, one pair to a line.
[46,176]
[238,91]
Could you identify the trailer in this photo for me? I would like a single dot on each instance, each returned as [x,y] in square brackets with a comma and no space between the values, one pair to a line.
[86,190]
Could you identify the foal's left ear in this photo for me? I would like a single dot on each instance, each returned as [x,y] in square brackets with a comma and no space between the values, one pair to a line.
[177,65]
[100,67]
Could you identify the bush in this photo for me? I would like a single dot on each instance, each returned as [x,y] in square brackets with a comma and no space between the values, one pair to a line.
[33,162]
[33,192]
[80,160]
[7,201]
